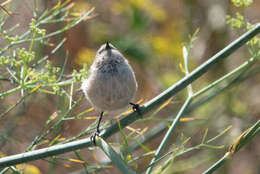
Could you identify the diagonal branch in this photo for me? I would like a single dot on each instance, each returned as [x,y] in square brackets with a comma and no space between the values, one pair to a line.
[130,118]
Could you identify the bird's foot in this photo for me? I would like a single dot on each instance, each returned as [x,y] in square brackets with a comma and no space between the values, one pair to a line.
[96,133]
[136,108]
[93,137]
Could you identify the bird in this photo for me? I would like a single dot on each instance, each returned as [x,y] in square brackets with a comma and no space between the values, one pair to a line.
[111,84]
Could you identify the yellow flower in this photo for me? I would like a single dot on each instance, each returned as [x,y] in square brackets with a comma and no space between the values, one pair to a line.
[85,55]
[153,10]
[28,169]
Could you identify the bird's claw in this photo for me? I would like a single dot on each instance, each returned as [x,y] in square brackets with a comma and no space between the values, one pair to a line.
[136,108]
[93,137]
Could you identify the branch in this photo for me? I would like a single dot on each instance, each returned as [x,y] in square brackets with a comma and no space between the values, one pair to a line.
[114,157]
[242,140]
[132,117]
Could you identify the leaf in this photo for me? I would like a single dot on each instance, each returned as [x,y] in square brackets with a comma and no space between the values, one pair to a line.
[77,161]
[185,52]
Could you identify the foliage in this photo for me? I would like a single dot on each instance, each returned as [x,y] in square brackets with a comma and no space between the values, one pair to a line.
[151,39]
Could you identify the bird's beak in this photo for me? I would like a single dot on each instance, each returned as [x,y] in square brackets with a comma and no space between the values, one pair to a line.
[108,47]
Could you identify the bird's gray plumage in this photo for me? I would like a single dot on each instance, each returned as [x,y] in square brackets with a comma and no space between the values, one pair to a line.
[111,84]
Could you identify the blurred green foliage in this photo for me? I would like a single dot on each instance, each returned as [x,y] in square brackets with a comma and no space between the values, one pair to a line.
[47,48]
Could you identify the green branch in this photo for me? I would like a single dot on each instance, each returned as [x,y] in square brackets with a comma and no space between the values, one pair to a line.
[162,126]
[240,142]
[114,157]
[130,118]
[168,134]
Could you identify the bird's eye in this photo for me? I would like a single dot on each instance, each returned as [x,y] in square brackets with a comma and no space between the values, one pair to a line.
[100,51]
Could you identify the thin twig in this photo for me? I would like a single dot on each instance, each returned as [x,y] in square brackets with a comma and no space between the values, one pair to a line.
[130,118]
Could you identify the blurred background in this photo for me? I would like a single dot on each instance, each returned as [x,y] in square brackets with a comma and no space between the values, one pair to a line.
[151,35]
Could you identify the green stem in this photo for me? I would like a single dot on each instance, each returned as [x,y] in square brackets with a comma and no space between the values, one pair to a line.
[56,32]
[202,69]
[11,91]
[13,106]
[132,117]
[63,83]
[162,126]
[217,164]
[45,17]
[238,69]
[250,134]
[168,134]
[114,157]
[186,65]
[238,144]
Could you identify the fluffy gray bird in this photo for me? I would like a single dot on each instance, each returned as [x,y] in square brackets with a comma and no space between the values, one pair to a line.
[111,84]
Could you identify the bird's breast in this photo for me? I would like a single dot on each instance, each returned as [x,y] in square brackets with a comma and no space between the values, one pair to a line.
[112,86]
